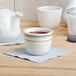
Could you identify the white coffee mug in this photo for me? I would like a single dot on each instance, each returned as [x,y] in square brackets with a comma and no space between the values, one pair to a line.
[49,16]
[38,40]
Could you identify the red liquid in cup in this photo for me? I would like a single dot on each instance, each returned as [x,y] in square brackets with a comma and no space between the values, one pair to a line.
[38,32]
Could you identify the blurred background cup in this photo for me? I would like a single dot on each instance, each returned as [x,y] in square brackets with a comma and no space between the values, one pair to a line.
[71,23]
[49,16]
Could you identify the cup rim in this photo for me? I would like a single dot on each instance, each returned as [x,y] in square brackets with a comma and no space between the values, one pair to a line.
[49,8]
[49,31]
[71,12]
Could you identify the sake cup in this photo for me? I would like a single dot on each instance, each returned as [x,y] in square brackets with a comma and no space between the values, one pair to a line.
[38,40]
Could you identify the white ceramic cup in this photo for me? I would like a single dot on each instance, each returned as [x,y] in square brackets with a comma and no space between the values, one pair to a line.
[38,40]
[71,21]
[49,16]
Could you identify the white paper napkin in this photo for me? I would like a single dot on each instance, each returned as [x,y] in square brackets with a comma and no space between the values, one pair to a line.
[19,40]
[53,53]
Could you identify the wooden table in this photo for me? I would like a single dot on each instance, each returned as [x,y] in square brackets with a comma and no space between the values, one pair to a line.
[61,66]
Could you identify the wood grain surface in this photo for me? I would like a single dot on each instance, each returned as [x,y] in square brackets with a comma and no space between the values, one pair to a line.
[61,66]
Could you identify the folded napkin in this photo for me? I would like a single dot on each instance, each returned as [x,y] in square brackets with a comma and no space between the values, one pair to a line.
[19,40]
[53,53]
